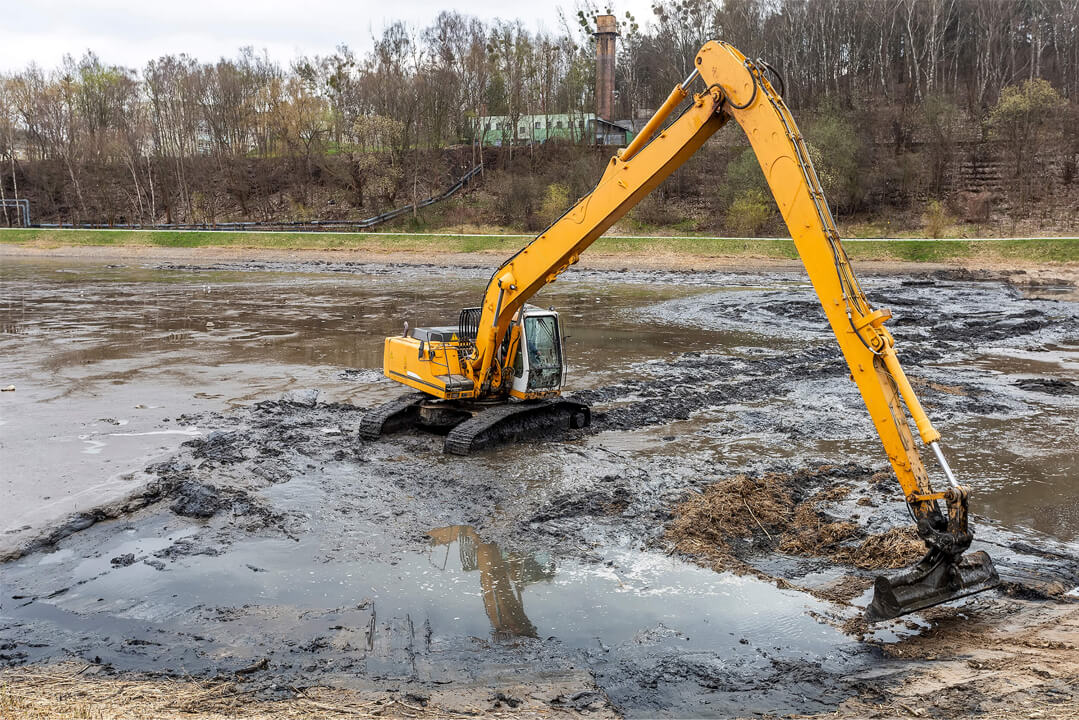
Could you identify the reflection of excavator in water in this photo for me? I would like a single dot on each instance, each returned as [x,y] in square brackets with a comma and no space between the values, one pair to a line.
[501,578]
[500,370]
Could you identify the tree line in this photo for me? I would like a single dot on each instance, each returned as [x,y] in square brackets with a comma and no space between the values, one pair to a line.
[247,137]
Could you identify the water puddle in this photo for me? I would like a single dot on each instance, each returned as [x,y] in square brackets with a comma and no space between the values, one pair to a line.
[624,610]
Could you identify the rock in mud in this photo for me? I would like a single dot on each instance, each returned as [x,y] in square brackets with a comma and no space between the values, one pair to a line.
[608,500]
[221,447]
[123,560]
[307,398]
[183,548]
[1049,386]
[196,500]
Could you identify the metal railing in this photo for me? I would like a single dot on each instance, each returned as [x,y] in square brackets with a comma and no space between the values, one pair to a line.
[21,207]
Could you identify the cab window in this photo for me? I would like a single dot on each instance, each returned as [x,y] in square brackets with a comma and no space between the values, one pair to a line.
[544,352]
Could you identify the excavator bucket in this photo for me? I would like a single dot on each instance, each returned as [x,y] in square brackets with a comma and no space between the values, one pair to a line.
[934,580]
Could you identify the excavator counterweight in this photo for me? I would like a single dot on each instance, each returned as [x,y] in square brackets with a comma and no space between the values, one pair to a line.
[499,373]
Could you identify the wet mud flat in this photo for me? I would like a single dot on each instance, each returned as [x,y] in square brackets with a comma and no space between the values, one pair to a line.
[278,556]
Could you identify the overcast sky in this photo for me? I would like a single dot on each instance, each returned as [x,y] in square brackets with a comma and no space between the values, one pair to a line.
[126,32]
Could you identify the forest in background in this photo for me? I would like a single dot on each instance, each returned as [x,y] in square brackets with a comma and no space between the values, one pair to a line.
[921,113]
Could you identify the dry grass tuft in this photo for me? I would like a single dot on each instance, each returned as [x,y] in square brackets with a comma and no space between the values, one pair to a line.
[812,535]
[719,522]
[706,522]
[832,494]
[69,691]
[895,548]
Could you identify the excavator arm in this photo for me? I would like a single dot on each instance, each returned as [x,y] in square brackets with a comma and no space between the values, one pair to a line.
[738,89]
[622,186]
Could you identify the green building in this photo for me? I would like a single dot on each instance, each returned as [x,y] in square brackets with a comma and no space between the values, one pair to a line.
[576,127]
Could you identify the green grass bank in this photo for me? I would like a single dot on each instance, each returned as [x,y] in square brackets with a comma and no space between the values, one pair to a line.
[1029,250]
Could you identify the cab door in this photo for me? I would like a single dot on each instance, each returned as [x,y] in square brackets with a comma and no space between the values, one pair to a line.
[538,369]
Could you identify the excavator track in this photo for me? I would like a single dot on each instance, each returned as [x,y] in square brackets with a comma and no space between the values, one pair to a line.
[504,422]
[391,416]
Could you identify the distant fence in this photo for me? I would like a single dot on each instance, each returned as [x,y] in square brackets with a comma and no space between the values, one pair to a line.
[21,207]
[278,225]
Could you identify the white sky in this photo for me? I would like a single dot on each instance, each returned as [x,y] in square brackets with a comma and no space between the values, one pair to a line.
[130,32]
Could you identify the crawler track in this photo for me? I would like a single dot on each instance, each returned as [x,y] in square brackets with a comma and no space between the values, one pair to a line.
[394,415]
[487,427]
[512,421]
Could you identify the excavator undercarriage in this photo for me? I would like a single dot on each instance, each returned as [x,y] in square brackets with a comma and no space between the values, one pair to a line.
[471,426]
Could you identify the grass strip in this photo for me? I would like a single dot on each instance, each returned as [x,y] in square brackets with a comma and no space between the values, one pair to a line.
[1040,250]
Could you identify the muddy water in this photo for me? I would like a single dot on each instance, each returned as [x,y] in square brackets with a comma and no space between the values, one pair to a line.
[108,359]
[282,536]
[997,370]
[343,604]
[460,587]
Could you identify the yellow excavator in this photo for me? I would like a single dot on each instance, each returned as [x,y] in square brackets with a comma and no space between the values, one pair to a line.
[499,372]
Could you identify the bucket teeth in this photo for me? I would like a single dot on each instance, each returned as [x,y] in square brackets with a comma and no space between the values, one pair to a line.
[929,583]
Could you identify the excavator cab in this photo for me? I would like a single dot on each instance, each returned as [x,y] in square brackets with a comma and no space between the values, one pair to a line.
[539,367]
